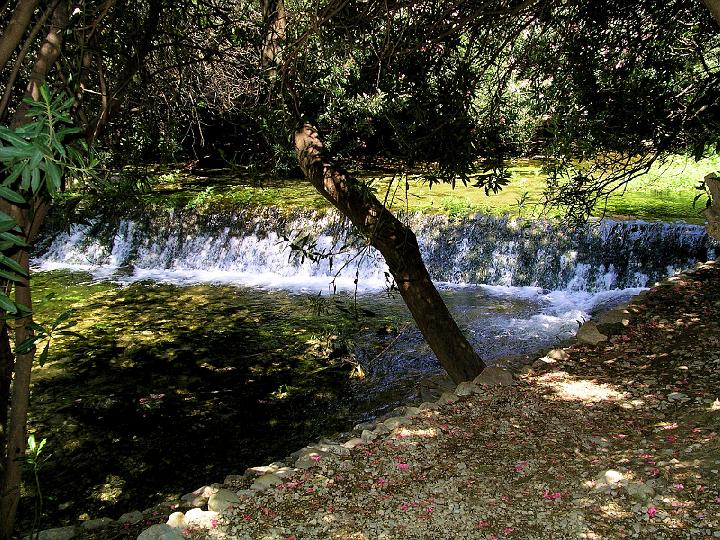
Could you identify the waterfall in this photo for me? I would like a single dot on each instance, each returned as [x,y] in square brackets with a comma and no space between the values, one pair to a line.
[254,248]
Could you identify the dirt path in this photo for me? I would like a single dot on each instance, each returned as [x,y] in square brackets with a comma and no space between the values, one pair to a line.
[618,440]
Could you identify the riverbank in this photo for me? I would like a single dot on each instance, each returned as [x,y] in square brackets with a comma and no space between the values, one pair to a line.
[614,440]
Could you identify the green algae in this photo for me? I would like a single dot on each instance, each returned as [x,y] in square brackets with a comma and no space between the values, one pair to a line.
[171,387]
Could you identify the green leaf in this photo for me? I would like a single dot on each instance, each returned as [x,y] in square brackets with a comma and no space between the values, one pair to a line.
[35,180]
[45,93]
[13,152]
[6,304]
[25,182]
[27,345]
[37,157]
[16,240]
[10,276]
[12,136]
[7,261]
[7,225]
[5,245]
[54,175]
[44,354]
[36,327]
[10,195]
[24,309]
[64,316]
[14,173]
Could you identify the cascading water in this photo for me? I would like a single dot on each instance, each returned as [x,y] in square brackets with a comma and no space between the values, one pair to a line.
[253,249]
[515,285]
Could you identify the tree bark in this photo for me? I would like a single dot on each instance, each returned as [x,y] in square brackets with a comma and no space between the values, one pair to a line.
[15,29]
[30,218]
[275,27]
[399,246]
[714,7]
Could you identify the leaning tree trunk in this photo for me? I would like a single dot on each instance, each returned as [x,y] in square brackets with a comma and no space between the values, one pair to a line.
[399,246]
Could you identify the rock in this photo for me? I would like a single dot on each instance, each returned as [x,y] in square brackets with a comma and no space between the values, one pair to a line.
[160,532]
[429,406]
[176,520]
[261,483]
[525,370]
[466,388]
[330,448]
[264,469]
[411,411]
[494,376]
[220,501]
[613,322]
[100,523]
[364,425]
[392,423]
[447,397]
[352,443]
[193,501]
[367,436]
[678,396]
[284,472]
[233,479]
[543,363]
[559,355]
[589,333]
[60,533]
[611,478]
[639,490]
[310,457]
[207,519]
[131,517]
[615,316]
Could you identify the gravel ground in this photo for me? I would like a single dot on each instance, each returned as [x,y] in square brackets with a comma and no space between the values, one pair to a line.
[618,440]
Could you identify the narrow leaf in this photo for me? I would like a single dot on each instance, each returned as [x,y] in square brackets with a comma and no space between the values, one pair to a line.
[10,195]
[6,304]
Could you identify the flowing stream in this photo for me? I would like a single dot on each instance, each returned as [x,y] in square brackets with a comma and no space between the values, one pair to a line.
[515,285]
[228,340]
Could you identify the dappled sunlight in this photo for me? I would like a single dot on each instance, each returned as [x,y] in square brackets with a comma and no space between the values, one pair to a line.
[421,433]
[570,388]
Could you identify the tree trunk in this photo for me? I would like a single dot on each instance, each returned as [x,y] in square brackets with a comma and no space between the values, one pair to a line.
[7,364]
[399,246]
[15,29]
[714,7]
[275,23]
[30,218]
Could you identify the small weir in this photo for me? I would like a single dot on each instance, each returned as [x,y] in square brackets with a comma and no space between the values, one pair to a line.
[210,344]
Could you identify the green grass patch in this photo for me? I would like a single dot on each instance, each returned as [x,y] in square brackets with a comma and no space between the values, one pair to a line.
[665,193]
